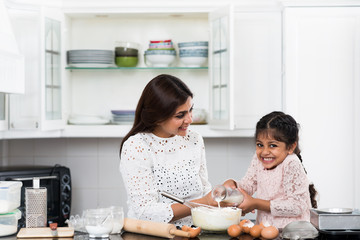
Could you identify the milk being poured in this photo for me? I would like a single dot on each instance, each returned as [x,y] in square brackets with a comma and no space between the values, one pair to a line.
[222,194]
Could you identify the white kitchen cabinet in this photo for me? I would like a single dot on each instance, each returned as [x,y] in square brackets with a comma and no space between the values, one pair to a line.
[253,41]
[37,30]
[246,67]
[322,92]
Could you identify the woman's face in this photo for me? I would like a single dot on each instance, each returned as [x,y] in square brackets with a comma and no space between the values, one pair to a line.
[270,151]
[178,123]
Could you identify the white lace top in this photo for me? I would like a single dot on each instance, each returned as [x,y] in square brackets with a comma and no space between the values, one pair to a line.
[176,165]
[286,186]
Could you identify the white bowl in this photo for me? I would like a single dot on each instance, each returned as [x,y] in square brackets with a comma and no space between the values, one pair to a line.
[215,219]
[159,60]
[193,61]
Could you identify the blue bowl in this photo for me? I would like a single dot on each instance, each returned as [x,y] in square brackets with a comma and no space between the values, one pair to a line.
[193,51]
[193,55]
[193,44]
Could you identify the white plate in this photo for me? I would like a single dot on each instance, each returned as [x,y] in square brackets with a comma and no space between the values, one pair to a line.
[91,65]
[88,121]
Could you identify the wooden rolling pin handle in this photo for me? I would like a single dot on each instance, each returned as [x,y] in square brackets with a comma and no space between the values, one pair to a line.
[179,233]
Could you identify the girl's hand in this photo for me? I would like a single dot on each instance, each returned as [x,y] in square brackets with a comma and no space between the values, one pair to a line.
[248,204]
[230,184]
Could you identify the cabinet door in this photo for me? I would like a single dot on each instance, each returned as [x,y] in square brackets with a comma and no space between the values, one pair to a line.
[53,69]
[24,110]
[3,112]
[257,66]
[246,67]
[11,62]
[38,32]
[221,69]
[322,86]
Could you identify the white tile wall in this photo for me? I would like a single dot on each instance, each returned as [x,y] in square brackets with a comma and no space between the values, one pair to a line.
[94,164]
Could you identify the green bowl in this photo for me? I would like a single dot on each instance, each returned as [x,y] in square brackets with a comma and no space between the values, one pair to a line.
[126,61]
[126,52]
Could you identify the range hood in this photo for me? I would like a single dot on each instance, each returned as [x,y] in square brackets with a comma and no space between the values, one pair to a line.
[12,73]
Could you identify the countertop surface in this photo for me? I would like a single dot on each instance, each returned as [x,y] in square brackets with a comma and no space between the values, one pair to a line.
[330,235]
[135,236]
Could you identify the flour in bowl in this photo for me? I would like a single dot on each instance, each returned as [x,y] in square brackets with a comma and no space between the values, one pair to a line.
[215,219]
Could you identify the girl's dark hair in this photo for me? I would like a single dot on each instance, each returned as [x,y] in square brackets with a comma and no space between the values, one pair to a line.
[284,128]
[158,102]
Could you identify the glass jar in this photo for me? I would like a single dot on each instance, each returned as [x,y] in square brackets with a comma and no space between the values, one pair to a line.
[221,193]
[118,219]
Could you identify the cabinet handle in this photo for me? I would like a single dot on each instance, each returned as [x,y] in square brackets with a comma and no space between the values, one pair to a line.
[36,125]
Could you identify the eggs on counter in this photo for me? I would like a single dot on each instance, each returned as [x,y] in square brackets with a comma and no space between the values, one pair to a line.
[246,226]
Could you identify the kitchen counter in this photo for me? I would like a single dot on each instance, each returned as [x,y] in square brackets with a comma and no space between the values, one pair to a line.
[349,235]
[134,236]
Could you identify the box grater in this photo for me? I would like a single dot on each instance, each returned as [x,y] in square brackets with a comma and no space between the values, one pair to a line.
[36,205]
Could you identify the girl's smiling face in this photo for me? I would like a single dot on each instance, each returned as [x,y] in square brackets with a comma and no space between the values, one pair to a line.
[177,124]
[270,151]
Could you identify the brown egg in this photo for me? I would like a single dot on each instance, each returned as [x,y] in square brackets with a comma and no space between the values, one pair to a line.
[255,231]
[246,225]
[242,222]
[234,230]
[270,232]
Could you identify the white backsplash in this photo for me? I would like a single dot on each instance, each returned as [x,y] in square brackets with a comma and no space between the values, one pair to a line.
[94,164]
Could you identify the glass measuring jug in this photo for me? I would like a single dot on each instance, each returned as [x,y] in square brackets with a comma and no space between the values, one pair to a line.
[221,193]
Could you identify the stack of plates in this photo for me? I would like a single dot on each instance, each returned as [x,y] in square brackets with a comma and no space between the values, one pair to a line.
[123,116]
[90,58]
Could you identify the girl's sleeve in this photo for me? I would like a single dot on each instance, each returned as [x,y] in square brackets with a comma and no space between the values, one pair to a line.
[249,181]
[203,172]
[296,192]
[138,177]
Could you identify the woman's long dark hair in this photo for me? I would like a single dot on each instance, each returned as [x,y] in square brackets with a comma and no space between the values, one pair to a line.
[158,102]
[284,128]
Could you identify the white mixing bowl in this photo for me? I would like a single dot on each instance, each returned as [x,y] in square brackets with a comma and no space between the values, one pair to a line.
[215,219]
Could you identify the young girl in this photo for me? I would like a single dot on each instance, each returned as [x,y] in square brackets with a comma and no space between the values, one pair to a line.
[160,153]
[276,174]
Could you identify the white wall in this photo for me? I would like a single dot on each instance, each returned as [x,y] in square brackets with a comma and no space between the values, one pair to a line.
[96,181]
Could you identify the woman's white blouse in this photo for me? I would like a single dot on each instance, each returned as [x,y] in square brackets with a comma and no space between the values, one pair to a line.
[150,164]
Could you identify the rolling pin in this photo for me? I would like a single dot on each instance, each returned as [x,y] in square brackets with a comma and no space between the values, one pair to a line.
[158,229]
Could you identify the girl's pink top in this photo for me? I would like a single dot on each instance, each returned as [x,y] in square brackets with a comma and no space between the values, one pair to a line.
[286,186]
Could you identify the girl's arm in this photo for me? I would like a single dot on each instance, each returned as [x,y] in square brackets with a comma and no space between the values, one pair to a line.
[250,203]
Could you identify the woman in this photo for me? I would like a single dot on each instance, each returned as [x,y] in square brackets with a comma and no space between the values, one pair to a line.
[160,153]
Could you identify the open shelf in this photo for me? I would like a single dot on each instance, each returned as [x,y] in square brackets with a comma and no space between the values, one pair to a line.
[131,68]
